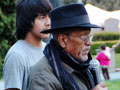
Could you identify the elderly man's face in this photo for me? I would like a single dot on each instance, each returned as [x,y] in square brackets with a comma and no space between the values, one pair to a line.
[77,44]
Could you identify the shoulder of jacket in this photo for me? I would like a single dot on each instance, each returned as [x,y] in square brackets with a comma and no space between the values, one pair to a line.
[42,67]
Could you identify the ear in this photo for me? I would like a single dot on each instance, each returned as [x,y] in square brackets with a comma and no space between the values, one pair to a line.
[62,39]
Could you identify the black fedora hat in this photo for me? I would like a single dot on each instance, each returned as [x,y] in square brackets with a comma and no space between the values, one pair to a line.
[69,16]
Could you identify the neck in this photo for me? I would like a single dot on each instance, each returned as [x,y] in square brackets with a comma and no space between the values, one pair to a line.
[32,40]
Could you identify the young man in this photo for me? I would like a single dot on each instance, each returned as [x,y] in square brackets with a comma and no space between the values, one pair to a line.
[65,65]
[32,16]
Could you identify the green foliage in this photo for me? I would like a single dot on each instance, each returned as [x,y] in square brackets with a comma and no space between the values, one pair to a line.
[103,36]
[97,44]
[3,50]
[7,27]
[107,38]
[117,60]
[7,6]
[105,4]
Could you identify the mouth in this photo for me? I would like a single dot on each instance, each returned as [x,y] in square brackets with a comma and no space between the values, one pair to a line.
[85,51]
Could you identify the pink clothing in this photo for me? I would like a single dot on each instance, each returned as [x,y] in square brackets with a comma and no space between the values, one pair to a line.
[103,60]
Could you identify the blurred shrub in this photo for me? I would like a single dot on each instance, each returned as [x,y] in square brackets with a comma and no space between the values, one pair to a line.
[7,28]
[103,36]
[97,44]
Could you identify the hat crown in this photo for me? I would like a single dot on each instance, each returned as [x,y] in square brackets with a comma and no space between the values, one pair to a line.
[68,11]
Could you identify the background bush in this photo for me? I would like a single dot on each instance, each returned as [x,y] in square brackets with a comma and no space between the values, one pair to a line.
[7,28]
[107,38]
[103,36]
[97,44]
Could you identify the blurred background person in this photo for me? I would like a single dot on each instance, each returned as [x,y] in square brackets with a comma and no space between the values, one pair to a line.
[116,45]
[104,59]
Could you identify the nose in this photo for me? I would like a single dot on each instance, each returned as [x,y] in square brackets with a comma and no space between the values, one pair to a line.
[47,21]
[89,42]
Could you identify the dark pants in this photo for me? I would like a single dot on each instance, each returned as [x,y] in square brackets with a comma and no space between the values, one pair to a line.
[105,73]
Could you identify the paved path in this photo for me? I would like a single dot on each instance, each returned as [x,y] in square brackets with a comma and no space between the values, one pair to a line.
[113,76]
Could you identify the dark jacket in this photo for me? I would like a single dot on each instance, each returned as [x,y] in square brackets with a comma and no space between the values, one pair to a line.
[42,77]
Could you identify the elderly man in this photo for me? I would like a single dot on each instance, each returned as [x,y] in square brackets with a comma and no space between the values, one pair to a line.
[65,65]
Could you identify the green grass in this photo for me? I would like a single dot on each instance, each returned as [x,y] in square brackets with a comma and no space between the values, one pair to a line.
[117,60]
[113,84]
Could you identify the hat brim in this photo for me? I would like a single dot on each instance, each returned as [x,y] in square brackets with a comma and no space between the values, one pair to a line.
[74,26]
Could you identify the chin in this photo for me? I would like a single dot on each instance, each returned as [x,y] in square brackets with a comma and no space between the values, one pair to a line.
[83,58]
[45,36]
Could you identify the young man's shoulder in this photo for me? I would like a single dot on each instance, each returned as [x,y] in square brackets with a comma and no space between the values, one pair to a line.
[18,52]
[18,47]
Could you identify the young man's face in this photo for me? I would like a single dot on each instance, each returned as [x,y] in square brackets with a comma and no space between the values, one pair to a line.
[41,23]
[78,44]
